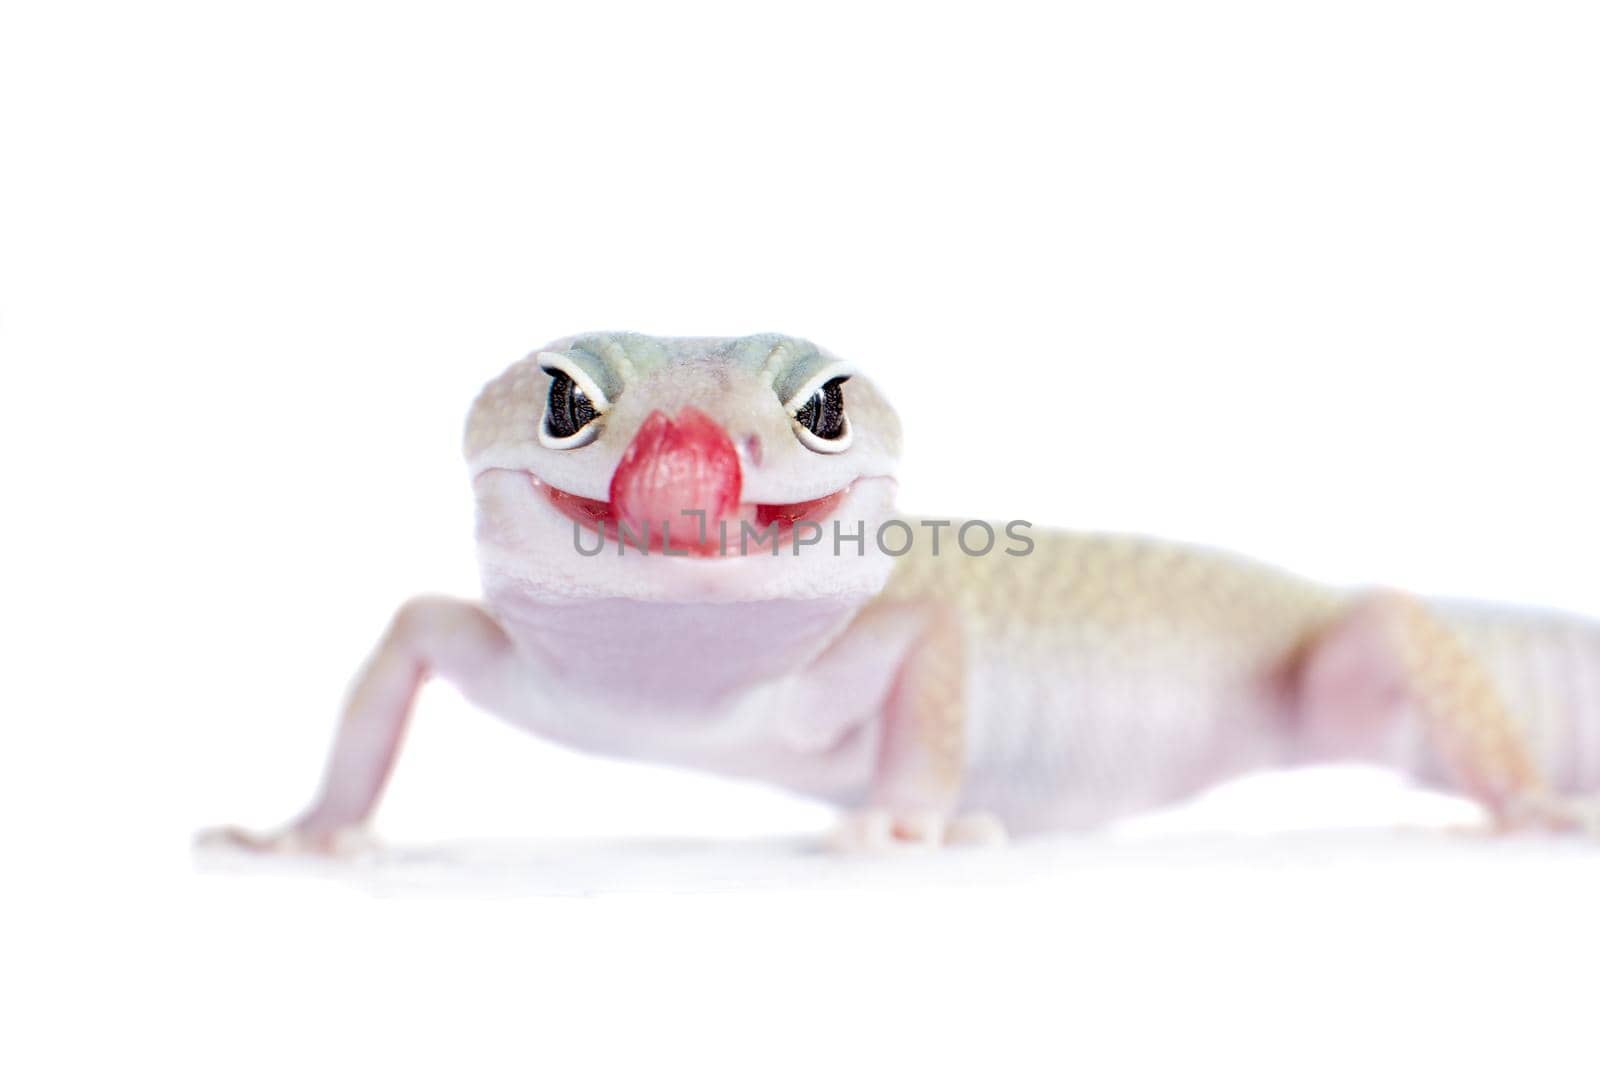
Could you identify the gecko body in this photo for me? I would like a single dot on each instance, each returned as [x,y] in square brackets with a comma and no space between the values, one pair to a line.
[933,692]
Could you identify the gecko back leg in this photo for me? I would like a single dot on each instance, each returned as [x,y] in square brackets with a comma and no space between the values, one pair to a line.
[1388,680]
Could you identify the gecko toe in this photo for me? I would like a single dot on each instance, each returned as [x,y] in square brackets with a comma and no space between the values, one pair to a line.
[876,830]
[978,828]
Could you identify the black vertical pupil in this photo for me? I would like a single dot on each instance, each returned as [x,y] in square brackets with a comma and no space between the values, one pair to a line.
[570,409]
[823,413]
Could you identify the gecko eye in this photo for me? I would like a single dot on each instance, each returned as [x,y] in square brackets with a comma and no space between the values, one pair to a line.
[569,417]
[820,422]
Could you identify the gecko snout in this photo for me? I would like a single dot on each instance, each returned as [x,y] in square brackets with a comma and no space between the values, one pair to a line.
[673,466]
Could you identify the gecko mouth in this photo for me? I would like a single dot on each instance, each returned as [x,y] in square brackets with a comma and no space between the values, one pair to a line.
[747,529]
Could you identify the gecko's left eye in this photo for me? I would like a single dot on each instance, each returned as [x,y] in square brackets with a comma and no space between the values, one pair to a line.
[820,422]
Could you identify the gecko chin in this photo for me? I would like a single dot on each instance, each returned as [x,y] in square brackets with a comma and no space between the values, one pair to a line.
[744,528]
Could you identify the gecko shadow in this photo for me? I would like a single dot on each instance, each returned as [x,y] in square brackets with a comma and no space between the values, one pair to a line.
[593,867]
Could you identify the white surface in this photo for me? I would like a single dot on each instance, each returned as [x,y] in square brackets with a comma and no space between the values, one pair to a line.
[1315,285]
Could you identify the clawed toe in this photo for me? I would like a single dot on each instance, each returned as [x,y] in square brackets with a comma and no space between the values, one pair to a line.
[880,830]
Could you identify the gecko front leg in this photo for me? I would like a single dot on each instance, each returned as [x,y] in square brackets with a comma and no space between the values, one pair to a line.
[453,639]
[920,711]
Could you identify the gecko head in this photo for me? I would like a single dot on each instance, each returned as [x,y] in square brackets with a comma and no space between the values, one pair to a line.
[617,464]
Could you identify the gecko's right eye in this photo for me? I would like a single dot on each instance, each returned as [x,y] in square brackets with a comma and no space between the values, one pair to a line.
[570,414]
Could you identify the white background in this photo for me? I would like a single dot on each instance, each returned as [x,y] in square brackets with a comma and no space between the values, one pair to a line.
[1316,282]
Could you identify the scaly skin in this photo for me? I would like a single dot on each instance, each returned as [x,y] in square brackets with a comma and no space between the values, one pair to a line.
[938,696]
[1108,675]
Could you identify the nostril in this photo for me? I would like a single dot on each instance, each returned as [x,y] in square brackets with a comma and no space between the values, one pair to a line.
[750,447]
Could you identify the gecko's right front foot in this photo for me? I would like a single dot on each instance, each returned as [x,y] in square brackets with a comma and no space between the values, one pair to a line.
[291,840]
[881,830]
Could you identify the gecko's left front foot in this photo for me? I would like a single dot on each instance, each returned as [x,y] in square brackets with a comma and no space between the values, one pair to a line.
[881,830]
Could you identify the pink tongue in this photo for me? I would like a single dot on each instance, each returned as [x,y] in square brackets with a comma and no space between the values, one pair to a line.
[674,466]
